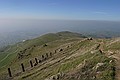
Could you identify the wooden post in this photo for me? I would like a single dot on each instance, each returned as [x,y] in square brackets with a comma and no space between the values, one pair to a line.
[42,57]
[55,51]
[50,54]
[45,58]
[23,69]
[9,72]
[40,61]
[36,60]
[47,55]
[31,63]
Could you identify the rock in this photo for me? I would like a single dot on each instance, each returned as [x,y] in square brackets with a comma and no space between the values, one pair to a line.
[61,50]
[35,64]
[55,77]
[84,63]
[111,53]
[34,45]
[92,52]
[90,38]
[29,48]
[111,61]
[45,45]
[98,65]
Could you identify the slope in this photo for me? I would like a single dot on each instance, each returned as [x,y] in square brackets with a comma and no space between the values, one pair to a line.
[61,56]
[10,53]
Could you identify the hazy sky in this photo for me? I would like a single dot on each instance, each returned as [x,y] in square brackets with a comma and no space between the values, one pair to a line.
[25,14]
[60,9]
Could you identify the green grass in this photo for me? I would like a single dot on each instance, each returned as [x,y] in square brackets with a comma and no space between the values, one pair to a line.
[107,72]
[21,46]
[68,66]
[115,46]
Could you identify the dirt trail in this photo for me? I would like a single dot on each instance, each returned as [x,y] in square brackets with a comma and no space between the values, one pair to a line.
[117,61]
[112,42]
[117,76]
[116,57]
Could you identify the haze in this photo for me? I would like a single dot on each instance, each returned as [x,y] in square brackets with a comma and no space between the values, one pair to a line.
[23,18]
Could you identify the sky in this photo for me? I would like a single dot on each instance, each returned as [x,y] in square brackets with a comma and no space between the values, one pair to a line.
[25,14]
[60,9]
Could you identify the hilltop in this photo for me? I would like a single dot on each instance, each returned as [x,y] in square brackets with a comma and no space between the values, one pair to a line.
[62,56]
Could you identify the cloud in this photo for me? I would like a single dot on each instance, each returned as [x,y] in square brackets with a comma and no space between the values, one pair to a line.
[99,12]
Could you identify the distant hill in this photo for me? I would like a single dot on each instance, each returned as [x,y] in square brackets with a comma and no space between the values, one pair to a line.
[11,38]
[94,28]
[15,37]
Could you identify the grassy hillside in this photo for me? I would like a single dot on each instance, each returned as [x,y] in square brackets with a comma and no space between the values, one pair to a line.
[12,51]
[61,56]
